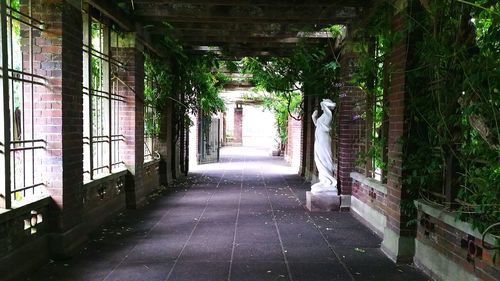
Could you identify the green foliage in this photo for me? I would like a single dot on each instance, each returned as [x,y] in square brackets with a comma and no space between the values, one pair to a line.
[231,66]
[201,77]
[197,77]
[335,29]
[312,71]
[454,106]
[158,81]
[372,44]
[15,4]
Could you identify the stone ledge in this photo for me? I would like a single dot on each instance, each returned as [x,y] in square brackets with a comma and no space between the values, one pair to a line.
[369,182]
[375,220]
[438,266]
[8,214]
[151,162]
[108,177]
[449,219]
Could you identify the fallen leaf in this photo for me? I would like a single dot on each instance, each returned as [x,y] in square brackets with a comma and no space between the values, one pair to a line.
[359,250]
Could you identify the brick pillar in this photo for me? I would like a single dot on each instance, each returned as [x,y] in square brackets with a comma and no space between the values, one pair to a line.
[347,126]
[131,113]
[288,147]
[58,116]
[165,144]
[398,241]
[308,146]
[294,144]
[238,124]
[176,139]
[303,138]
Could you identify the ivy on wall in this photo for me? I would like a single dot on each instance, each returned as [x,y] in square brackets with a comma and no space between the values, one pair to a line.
[372,45]
[454,107]
[452,139]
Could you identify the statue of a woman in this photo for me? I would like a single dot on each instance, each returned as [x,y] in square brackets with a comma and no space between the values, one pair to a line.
[323,150]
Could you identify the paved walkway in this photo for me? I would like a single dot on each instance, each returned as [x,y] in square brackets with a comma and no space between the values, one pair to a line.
[241,219]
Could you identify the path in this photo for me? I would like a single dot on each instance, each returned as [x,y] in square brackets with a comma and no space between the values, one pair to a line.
[241,219]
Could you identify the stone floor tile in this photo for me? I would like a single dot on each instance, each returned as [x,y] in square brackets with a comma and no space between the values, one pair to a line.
[199,271]
[258,252]
[307,271]
[261,271]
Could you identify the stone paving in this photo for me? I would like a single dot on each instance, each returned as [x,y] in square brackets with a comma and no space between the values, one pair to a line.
[241,219]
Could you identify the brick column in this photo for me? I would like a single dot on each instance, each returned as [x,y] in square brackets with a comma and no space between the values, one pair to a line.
[176,139]
[238,124]
[131,113]
[347,126]
[58,116]
[303,138]
[309,169]
[293,146]
[398,237]
[165,144]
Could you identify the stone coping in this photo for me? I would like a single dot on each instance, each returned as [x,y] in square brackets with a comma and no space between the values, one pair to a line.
[369,182]
[151,162]
[8,214]
[451,220]
[108,177]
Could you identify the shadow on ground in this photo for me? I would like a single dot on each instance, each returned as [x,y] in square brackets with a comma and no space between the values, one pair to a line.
[241,219]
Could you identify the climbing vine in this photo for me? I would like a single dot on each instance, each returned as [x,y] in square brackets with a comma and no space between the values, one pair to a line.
[190,83]
[452,141]
[372,45]
[454,109]
[311,71]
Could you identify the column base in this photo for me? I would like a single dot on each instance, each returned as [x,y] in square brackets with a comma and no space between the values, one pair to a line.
[322,202]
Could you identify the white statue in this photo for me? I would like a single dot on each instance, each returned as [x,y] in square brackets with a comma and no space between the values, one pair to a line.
[323,150]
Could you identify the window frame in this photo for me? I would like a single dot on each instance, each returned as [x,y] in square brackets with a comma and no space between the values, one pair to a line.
[102,130]
[20,144]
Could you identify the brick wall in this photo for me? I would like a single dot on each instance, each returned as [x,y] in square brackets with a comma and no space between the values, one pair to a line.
[132,119]
[18,243]
[447,252]
[348,126]
[369,196]
[151,176]
[308,166]
[103,199]
[293,146]
[165,144]
[58,106]
[303,138]
[396,101]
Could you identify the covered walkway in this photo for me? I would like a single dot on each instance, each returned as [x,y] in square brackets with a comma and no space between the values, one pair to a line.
[241,219]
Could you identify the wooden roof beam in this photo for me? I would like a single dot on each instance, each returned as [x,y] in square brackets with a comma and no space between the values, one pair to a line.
[275,3]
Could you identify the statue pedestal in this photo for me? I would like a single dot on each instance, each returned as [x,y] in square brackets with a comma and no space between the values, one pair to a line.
[322,202]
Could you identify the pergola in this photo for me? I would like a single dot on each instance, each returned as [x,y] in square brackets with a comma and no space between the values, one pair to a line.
[238,28]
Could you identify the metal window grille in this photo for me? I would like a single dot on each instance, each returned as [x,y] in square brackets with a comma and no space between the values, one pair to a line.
[101,110]
[21,147]
[151,123]
[369,144]
[360,141]
[369,129]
